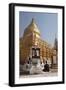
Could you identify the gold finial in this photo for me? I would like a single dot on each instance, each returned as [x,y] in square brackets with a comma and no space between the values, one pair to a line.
[33,20]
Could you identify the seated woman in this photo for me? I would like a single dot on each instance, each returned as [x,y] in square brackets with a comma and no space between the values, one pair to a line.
[46,67]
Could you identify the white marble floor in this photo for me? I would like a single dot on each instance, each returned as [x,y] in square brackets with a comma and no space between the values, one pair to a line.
[44,74]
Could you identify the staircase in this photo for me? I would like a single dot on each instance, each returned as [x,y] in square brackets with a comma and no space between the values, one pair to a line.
[54,68]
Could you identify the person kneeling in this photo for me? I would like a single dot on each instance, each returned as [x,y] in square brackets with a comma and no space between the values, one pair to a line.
[46,67]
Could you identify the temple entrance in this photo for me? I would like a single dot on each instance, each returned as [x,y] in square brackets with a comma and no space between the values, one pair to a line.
[36,67]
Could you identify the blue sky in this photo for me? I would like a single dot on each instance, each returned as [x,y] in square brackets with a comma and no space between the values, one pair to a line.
[47,24]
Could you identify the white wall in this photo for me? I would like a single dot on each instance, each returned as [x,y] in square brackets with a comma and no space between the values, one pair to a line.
[4,44]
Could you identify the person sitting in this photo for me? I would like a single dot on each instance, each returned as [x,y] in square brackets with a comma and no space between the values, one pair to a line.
[46,67]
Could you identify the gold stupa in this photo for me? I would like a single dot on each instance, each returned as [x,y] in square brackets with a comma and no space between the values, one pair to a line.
[32,38]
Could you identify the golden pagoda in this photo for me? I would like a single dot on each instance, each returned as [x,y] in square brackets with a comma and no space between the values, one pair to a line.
[32,39]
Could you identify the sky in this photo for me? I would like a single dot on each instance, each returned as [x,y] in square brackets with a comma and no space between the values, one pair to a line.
[47,24]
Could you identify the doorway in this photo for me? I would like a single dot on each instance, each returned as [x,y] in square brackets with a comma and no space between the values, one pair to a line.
[35,52]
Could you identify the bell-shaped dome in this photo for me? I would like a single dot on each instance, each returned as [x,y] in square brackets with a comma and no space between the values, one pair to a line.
[32,27]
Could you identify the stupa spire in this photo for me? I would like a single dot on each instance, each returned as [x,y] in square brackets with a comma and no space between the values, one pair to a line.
[33,21]
[32,27]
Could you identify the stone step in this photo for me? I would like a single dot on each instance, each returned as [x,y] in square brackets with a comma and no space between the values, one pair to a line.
[54,70]
[54,66]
